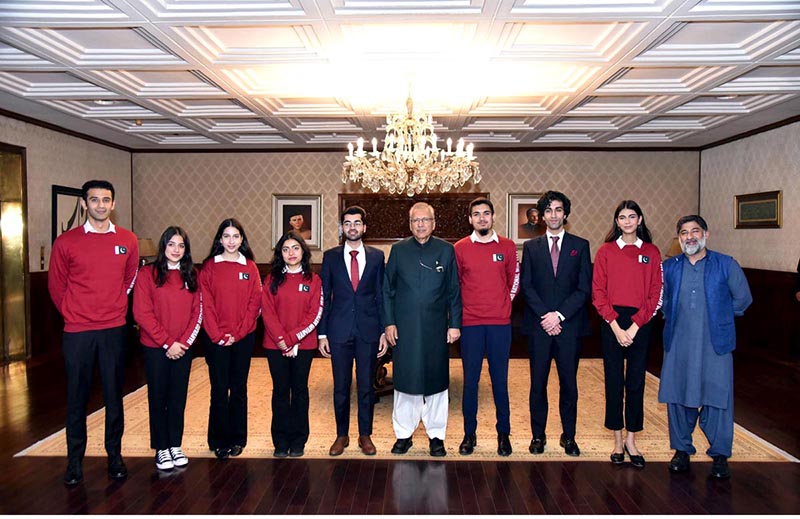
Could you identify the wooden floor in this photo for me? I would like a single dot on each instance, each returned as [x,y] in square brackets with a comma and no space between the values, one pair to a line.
[32,406]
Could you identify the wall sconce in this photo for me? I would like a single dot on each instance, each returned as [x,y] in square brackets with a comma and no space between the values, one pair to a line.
[146,250]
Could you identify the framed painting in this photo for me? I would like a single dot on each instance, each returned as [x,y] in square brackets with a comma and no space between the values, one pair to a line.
[759,210]
[300,213]
[524,221]
[67,212]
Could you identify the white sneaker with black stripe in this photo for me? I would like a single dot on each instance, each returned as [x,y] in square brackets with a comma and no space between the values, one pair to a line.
[164,460]
[179,459]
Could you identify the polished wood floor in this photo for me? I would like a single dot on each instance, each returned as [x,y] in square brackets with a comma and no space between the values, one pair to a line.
[32,407]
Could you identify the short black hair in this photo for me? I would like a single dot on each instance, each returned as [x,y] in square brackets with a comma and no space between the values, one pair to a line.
[547,198]
[481,200]
[355,209]
[96,184]
[691,218]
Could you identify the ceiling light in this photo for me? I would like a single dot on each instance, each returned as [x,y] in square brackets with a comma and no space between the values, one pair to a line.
[411,162]
[104,102]
[726,97]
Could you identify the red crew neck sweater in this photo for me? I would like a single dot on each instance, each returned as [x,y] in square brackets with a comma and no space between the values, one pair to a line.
[90,277]
[231,298]
[292,315]
[166,314]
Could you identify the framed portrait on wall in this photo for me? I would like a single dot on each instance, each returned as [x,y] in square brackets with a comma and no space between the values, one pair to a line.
[524,221]
[301,213]
[67,212]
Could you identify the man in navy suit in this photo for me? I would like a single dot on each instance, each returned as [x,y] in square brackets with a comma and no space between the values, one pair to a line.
[556,284]
[351,326]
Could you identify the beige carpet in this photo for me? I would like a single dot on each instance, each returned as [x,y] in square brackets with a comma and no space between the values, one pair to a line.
[595,441]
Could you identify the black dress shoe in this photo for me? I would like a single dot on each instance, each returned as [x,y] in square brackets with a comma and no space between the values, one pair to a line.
[73,474]
[467,444]
[222,452]
[437,448]
[636,461]
[281,452]
[537,445]
[719,469]
[235,450]
[296,452]
[402,445]
[503,445]
[679,462]
[617,458]
[570,447]
[117,468]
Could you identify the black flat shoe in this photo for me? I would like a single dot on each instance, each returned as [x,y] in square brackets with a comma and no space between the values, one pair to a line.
[503,445]
[296,452]
[679,462]
[467,444]
[73,474]
[117,468]
[437,448]
[570,446]
[537,445]
[222,453]
[719,469]
[235,450]
[636,461]
[617,458]
[402,445]
[281,452]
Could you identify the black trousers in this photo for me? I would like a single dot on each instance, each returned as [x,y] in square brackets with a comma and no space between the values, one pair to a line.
[80,351]
[566,351]
[620,378]
[342,356]
[167,383]
[228,369]
[290,398]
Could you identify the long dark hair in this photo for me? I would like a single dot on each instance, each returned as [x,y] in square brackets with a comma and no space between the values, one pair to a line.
[641,230]
[216,246]
[278,275]
[161,264]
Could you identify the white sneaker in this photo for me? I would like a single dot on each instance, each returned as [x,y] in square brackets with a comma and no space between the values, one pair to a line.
[179,459]
[164,460]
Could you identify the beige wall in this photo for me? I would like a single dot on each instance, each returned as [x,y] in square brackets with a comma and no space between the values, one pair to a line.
[768,161]
[198,190]
[56,158]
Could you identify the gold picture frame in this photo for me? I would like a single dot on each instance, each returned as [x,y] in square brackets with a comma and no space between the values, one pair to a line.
[284,207]
[759,210]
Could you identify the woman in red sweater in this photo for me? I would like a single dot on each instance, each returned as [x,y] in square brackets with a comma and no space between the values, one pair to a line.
[291,310]
[626,290]
[231,287]
[168,308]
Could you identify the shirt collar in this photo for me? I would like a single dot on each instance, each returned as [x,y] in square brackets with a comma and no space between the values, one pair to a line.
[87,228]
[297,270]
[475,237]
[176,267]
[621,243]
[360,249]
[241,260]
[560,237]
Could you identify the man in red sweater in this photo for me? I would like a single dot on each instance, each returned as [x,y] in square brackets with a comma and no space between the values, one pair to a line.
[92,271]
[489,275]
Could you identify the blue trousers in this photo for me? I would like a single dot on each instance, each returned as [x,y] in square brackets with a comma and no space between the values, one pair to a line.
[716,424]
[342,357]
[494,342]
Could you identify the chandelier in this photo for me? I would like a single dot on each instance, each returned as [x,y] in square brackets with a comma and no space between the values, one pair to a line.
[410,162]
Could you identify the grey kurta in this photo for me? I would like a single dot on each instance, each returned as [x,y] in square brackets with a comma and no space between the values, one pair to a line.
[693,374]
[422,297]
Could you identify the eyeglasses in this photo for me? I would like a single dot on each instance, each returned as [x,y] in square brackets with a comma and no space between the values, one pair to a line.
[426,220]
[357,223]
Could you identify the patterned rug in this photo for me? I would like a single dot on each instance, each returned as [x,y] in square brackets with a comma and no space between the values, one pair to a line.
[595,441]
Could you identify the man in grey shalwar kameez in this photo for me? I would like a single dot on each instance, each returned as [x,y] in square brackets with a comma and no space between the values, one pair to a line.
[703,291]
[422,312]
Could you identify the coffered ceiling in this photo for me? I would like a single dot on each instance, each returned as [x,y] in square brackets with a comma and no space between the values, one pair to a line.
[304,74]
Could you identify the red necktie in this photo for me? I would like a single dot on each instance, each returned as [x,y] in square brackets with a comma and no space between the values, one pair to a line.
[354,269]
[554,254]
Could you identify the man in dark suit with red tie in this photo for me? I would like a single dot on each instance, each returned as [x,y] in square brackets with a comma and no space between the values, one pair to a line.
[351,327]
[556,284]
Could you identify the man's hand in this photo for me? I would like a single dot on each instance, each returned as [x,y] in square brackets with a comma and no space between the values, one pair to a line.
[452,335]
[383,345]
[175,351]
[549,321]
[797,296]
[325,348]
[555,331]
[391,334]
